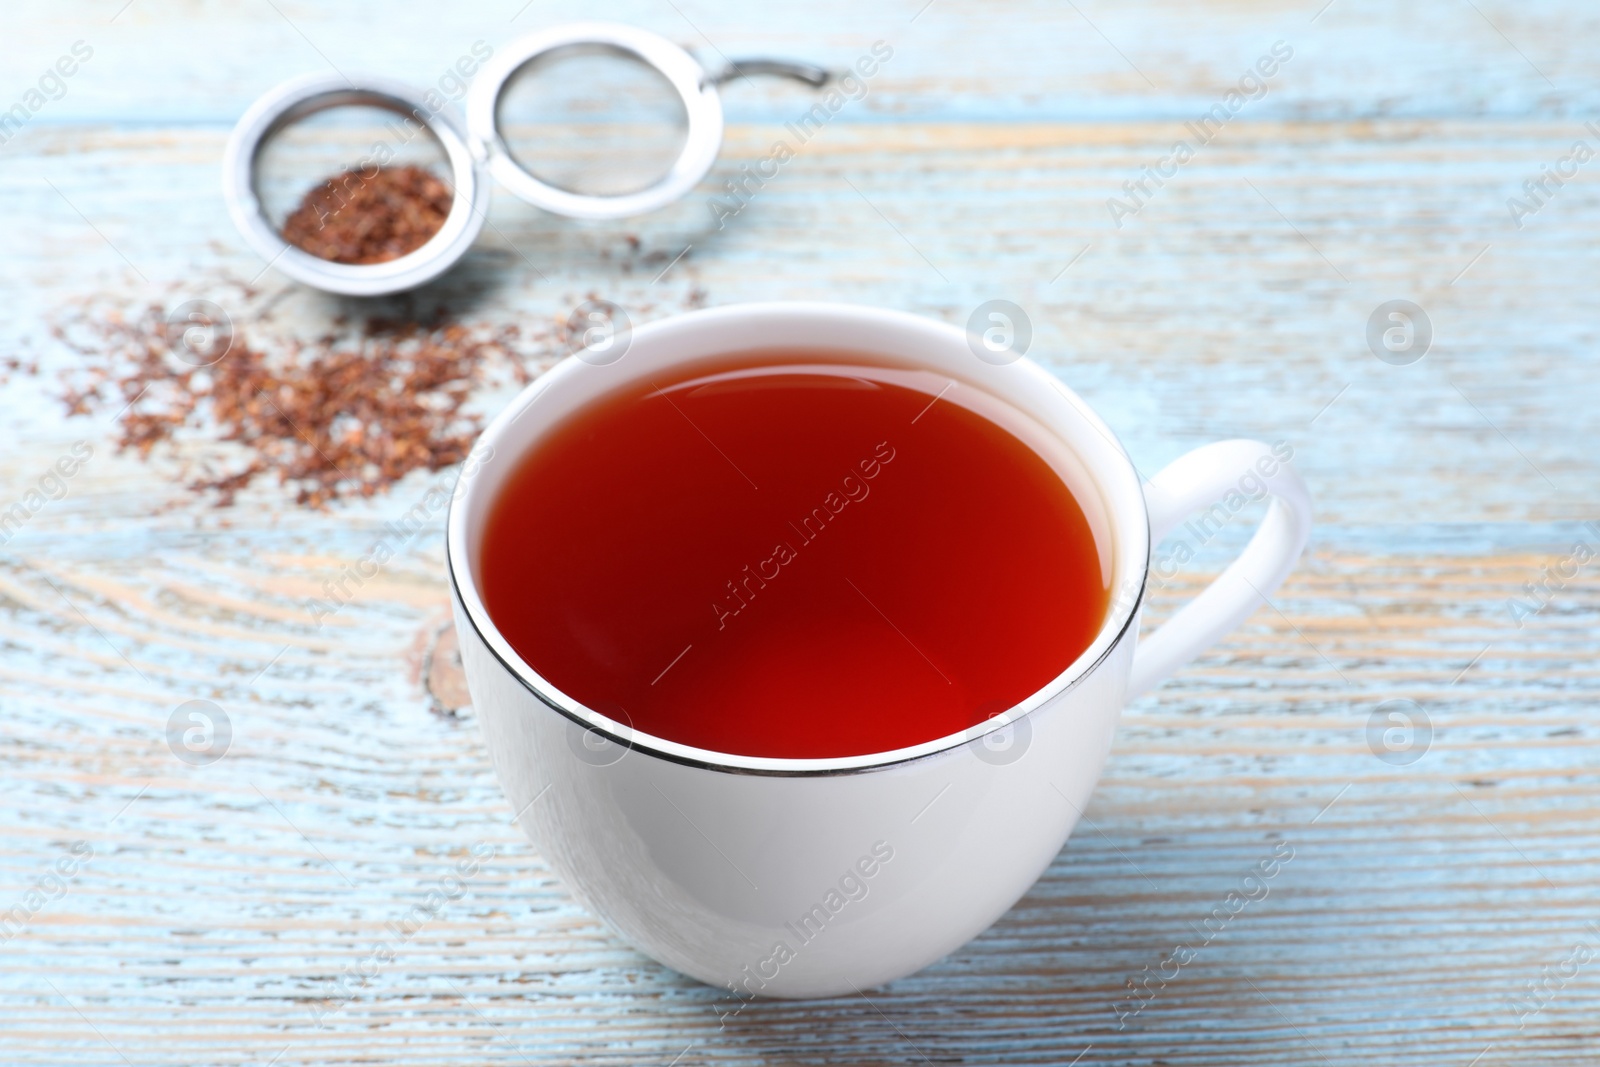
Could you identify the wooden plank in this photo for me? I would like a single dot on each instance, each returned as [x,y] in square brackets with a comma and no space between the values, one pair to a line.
[1210,288]
[1011,59]
[204,895]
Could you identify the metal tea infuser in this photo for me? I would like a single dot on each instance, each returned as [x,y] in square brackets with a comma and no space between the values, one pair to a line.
[486,145]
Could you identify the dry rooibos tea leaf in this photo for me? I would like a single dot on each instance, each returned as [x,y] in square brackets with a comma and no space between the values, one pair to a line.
[359,218]
[342,416]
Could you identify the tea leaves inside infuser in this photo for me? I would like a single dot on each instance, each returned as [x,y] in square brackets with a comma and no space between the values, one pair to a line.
[354,183]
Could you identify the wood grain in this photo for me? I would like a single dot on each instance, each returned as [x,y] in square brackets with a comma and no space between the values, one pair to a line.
[222,903]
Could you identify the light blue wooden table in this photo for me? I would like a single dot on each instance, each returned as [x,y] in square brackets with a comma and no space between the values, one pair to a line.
[210,911]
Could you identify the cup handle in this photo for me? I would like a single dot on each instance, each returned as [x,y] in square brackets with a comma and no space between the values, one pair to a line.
[1203,479]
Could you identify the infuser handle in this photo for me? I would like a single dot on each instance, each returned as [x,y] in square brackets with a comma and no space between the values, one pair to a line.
[810,73]
[1200,480]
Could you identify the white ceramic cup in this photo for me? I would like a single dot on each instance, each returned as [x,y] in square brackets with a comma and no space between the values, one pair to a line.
[818,877]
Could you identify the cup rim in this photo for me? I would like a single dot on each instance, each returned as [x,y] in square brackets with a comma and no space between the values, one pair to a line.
[1121,615]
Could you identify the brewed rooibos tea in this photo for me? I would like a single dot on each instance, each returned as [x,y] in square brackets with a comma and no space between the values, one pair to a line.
[782,556]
